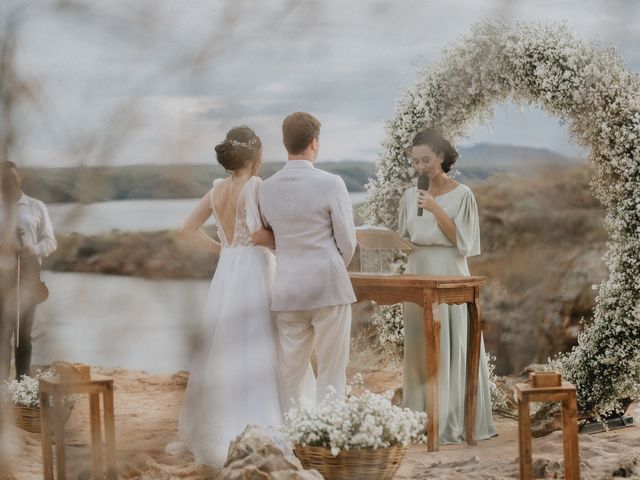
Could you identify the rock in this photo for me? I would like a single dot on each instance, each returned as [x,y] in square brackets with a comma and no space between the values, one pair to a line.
[297,475]
[249,472]
[143,466]
[253,455]
[630,468]
[268,464]
[533,303]
[274,463]
[546,420]
[252,440]
[545,468]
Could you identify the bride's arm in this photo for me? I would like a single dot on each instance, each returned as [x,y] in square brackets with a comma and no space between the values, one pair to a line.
[191,227]
[264,237]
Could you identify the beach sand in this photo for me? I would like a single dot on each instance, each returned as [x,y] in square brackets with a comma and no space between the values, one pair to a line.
[147,408]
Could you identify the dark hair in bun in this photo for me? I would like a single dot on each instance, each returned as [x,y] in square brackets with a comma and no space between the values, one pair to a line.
[440,146]
[240,148]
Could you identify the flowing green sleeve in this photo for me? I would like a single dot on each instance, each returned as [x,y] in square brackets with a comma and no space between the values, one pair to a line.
[467,224]
[402,216]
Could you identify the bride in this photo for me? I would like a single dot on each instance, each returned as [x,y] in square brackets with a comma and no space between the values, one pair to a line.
[234,378]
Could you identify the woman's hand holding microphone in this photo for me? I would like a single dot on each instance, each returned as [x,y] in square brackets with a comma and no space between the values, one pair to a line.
[426,201]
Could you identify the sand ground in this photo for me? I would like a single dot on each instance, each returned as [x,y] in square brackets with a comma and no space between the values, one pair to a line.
[147,408]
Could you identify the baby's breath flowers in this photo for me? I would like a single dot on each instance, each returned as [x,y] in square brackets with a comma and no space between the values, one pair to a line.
[586,86]
[366,420]
[25,392]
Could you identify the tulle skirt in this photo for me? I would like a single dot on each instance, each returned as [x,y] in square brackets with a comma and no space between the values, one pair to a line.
[234,377]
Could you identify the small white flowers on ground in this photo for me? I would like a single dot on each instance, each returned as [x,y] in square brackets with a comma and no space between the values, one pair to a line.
[367,420]
[25,392]
[499,400]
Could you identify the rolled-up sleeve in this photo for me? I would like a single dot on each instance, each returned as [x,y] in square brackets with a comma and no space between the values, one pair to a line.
[344,229]
[46,244]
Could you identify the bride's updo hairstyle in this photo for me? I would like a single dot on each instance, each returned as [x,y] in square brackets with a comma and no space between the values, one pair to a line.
[440,146]
[240,148]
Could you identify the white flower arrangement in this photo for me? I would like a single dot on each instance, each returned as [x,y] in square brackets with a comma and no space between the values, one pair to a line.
[586,86]
[499,399]
[364,421]
[25,392]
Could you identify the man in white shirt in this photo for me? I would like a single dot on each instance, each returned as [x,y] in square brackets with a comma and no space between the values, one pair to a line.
[310,213]
[26,233]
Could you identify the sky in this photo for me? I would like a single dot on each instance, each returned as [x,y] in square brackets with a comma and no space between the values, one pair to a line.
[161,81]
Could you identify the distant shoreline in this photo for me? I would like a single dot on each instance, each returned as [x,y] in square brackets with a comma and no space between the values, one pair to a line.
[154,182]
[137,215]
[161,182]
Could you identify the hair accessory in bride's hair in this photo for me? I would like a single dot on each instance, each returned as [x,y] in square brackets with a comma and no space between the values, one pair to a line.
[247,144]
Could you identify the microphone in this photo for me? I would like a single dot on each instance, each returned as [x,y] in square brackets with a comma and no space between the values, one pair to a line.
[423,184]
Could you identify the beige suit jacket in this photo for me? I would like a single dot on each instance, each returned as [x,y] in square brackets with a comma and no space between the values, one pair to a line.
[311,216]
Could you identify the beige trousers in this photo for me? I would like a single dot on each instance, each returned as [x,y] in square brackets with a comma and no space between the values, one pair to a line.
[328,331]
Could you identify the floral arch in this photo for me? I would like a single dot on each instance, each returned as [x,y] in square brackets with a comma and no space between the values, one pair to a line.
[586,86]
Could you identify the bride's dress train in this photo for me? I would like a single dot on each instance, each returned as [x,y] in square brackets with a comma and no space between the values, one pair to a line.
[234,378]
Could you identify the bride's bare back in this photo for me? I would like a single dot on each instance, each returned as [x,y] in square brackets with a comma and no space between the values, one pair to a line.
[239,154]
[226,196]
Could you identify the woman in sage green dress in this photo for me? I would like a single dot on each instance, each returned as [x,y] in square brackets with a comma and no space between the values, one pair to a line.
[444,236]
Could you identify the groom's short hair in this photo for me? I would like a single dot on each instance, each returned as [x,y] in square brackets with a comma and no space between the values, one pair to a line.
[298,131]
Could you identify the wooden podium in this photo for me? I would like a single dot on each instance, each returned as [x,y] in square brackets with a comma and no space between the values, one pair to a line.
[429,291]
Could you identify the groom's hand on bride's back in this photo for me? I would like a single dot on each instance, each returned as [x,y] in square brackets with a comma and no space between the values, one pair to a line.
[264,238]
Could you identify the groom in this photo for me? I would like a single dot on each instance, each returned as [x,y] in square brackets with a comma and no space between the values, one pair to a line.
[309,211]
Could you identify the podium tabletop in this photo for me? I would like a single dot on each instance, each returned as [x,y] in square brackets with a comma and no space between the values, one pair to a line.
[413,280]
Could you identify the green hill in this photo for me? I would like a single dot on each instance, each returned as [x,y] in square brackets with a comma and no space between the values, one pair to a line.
[99,184]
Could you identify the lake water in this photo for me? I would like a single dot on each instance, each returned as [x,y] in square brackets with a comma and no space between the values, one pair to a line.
[129,215]
[118,321]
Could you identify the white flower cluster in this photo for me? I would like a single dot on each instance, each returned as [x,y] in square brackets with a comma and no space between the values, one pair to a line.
[586,86]
[499,400]
[367,420]
[388,321]
[25,392]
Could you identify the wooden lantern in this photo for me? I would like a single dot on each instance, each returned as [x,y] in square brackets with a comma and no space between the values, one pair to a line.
[548,387]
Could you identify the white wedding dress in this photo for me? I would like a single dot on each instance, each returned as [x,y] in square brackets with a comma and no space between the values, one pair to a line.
[234,379]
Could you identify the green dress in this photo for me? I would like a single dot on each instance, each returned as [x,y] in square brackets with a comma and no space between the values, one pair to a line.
[434,254]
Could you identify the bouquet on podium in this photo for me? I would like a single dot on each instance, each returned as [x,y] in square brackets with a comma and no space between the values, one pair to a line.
[378,246]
